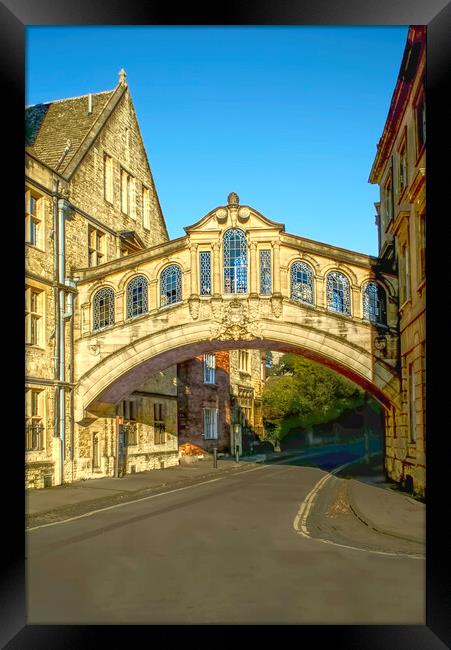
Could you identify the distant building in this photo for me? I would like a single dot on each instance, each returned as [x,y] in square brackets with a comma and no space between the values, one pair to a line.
[219,401]
[400,171]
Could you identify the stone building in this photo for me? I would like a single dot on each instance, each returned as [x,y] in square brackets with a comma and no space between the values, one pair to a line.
[219,401]
[399,170]
[89,198]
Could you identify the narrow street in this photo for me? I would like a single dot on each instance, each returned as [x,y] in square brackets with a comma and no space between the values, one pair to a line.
[229,550]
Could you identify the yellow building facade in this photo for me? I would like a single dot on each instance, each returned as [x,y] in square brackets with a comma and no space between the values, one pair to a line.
[400,171]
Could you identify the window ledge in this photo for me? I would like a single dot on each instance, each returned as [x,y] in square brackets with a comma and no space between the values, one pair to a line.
[404,305]
[173,304]
[35,247]
[102,329]
[34,346]
[420,153]
[131,319]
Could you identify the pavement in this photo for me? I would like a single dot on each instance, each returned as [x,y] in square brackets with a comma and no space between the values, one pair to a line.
[381,505]
[388,512]
[383,510]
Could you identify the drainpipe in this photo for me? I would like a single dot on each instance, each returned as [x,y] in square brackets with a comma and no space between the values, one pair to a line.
[63,206]
[69,315]
[56,356]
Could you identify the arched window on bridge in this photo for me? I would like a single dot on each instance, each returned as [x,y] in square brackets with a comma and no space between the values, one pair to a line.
[301,282]
[170,285]
[235,261]
[338,293]
[137,302]
[374,303]
[103,311]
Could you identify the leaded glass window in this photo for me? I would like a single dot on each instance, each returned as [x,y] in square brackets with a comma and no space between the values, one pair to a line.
[205,273]
[235,261]
[265,272]
[137,303]
[209,368]
[103,308]
[301,282]
[338,293]
[374,303]
[210,423]
[170,285]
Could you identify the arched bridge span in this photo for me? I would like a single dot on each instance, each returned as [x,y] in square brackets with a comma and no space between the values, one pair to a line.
[236,280]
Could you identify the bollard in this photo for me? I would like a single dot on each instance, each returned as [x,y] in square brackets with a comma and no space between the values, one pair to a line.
[215,457]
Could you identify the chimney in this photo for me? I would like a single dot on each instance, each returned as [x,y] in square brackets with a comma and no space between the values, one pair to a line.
[89,104]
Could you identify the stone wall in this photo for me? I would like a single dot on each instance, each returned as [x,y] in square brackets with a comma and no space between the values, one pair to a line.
[121,139]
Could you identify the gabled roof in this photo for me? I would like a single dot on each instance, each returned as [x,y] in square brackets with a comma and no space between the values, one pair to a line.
[51,126]
[132,238]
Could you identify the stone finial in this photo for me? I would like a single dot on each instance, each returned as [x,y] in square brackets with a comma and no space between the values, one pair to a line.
[233,199]
[122,75]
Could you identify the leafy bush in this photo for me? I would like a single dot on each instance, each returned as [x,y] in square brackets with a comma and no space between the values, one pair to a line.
[302,393]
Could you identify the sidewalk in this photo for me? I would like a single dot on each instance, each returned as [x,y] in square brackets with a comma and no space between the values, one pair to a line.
[64,501]
[375,500]
[388,512]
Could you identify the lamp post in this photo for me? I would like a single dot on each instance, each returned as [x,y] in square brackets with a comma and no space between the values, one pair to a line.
[237,440]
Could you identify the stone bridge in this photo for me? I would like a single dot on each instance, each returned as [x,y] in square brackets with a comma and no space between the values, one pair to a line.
[235,280]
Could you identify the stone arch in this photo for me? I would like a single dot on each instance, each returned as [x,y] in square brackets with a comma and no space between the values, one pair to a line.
[384,282]
[158,267]
[120,372]
[304,257]
[127,277]
[341,268]
[100,284]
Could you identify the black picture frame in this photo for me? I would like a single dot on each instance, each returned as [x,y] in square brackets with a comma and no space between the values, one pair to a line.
[15,15]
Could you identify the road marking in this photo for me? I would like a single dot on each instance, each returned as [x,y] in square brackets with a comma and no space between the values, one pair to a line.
[300,521]
[151,496]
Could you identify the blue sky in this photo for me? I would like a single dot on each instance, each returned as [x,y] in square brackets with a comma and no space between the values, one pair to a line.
[287,117]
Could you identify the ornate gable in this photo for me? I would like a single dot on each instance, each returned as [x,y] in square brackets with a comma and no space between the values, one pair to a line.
[234,215]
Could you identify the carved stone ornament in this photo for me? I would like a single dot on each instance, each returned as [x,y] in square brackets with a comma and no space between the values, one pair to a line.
[194,306]
[380,342]
[277,305]
[235,322]
[244,214]
[216,308]
[221,215]
[94,348]
[233,199]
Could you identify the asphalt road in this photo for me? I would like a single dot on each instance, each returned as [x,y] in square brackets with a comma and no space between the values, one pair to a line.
[231,550]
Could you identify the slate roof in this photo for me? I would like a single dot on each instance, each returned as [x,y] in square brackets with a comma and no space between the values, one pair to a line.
[49,126]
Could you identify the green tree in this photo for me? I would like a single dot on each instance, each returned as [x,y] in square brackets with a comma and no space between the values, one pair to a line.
[300,392]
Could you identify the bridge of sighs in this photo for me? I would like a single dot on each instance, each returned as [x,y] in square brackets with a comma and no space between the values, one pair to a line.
[235,280]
